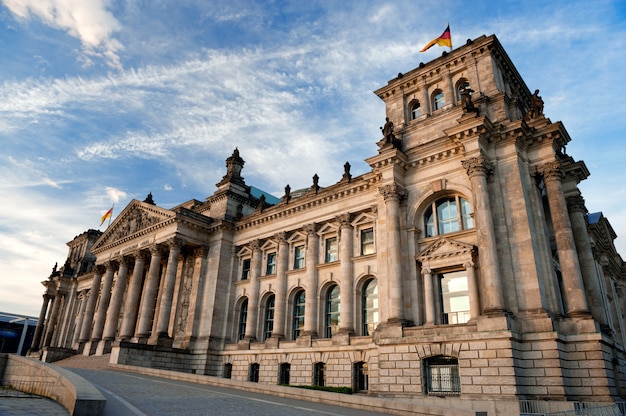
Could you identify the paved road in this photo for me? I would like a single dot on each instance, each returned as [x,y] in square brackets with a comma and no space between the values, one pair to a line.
[132,394]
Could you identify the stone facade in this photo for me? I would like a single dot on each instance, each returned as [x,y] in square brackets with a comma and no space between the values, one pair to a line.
[463,264]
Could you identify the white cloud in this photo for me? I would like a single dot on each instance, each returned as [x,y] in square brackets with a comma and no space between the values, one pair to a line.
[89,21]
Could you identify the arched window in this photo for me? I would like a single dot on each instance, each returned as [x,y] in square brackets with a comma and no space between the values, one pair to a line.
[319,374]
[361,376]
[439,100]
[268,325]
[332,311]
[416,110]
[448,215]
[283,373]
[243,316]
[298,314]
[442,376]
[253,372]
[369,303]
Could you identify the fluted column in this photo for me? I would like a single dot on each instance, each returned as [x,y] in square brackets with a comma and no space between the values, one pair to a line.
[346,287]
[148,297]
[85,331]
[565,245]
[393,194]
[312,257]
[281,286]
[253,295]
[472,289]
[429,297]
[42,317]
[165,308]
[98,326]
[591,280]
[82,299]
[113,312]
[131,303]
[54,314]
[477,169]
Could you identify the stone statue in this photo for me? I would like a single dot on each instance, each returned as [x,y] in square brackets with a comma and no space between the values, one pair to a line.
[466,100]
[287,196]
[149,199]
[388,136]
[315,185]
[536,107]
[346,172]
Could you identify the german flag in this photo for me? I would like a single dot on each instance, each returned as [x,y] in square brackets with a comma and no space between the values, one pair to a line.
[106,215]
[444,40]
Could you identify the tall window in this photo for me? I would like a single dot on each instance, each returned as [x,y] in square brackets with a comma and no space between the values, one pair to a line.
[268,326]
[448,215]
[228,370]
[283,373]
[439,100]
[253,372]
[367,241]
[245,269]
[331,249]
[370,307]
[243,316]
[271,264]
[319,374]
[298,313]
[442,376]
[361,376]
[332,311]
[298,257]
[416,110]
[455,298]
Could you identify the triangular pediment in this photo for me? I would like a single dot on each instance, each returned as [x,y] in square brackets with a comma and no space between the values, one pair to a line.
[134,220]
[445,247]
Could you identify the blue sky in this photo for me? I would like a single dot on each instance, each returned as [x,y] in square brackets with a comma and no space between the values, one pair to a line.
[105,101]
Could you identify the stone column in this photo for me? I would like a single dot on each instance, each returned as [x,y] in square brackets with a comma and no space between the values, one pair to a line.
[393,194]
[415,290]
[113,313]
[165,308]
[477,169]
[346,287]
[85,331]
[54,314]
[39,328]
[424,99]
[131,304]
[591,280]
[565,245]
[450,93]
[82,298]
[281,286]
[148,297]
[312,258]
[472,288]
[253,295]
[98,326]
[429,297]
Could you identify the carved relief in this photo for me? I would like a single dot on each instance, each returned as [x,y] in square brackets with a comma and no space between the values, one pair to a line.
[477,166]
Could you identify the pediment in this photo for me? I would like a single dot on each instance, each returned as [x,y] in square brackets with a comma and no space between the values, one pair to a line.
[445,247]
[135,219]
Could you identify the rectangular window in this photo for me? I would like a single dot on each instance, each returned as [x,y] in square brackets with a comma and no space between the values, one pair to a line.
[331,249]
[271,264]
[367,241]
[298,257]
[245,269]
[455,298]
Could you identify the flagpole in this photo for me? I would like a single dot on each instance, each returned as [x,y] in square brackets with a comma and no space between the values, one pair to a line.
[450,37]
[110,216]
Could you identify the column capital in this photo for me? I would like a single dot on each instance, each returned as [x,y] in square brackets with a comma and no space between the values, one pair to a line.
[175,242]
[468,264]
[477,166]
[310,228]
[576,203]
[425,271]
[281,237]
[201,251]
[392,192]
[345,220]
[550,171]
[155,250]
[255,245]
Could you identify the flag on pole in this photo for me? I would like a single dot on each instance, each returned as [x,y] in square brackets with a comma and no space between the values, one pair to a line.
[106,215]
[444,40]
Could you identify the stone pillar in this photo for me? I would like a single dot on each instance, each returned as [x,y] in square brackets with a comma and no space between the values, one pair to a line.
[39,328]
[472,289]
[165,307]
[346,288]
[113,313]
[312,258]
[98,326]
[477,169]
[393,194]
[54,314]
[82,299]
[85,330]
[591,280]
[429,297]
[414,288]
[131,303]
[424,99]
[281,286]
[450,93]
[148,297]
[566,247]
[253,295]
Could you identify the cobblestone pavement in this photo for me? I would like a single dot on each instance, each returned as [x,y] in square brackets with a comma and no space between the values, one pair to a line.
[39,406]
